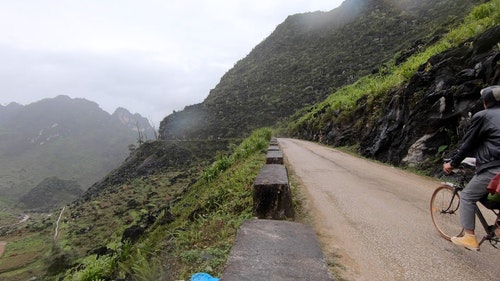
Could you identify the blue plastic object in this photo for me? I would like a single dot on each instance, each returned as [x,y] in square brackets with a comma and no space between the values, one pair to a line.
[203,277]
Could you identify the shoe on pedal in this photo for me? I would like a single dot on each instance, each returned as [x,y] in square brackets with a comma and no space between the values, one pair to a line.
[468,241]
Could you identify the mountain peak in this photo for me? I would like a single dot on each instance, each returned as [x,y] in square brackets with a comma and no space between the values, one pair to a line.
[134,122]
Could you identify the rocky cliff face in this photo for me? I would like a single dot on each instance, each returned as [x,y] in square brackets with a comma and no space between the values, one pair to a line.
[421,121]
[136,123]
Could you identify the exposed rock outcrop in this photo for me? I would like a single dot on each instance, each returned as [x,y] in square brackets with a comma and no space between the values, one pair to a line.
[430,114]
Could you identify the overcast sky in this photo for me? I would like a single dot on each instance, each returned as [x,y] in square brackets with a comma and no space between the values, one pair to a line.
[148,56]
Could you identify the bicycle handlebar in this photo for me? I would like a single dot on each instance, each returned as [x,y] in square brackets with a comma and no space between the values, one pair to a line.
[468,164]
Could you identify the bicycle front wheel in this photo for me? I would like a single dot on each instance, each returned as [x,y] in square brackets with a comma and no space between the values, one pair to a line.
[445,214]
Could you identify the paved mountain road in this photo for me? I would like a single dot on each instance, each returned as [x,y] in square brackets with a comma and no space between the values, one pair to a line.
[374,219]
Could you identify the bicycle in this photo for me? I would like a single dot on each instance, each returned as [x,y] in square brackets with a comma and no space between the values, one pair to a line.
[445,203]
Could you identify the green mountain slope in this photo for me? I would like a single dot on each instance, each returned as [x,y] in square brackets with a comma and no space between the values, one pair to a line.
[307,57]
[49,194]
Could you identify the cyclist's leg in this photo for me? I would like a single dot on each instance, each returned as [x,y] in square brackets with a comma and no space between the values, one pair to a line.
[475,190]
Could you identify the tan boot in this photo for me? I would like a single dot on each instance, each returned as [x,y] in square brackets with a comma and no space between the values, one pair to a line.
[469,241]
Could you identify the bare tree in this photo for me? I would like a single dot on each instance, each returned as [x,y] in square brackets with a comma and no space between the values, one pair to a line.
[140,137]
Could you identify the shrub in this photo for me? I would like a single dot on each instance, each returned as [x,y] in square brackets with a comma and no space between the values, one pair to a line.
[94,269]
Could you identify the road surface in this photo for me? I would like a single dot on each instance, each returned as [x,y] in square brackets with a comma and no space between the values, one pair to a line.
[374,219]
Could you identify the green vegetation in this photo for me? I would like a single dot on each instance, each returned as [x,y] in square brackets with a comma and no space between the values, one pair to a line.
[257,141]
[208,215]
[94,269]
[27,251]
[193,230]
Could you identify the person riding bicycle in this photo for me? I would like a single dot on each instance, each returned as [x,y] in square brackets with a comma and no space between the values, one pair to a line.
[483,140]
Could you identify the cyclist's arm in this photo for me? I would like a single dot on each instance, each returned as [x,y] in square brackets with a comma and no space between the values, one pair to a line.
[470,141]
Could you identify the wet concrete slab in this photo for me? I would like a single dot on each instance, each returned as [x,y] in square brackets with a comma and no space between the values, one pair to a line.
[275,250]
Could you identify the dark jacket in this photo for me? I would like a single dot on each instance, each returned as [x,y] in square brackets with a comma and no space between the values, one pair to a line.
[482,140]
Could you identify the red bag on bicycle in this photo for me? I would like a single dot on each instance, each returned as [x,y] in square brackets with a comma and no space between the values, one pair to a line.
[494,185]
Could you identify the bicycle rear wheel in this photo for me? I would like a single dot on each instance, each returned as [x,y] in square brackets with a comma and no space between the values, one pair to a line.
[445,212]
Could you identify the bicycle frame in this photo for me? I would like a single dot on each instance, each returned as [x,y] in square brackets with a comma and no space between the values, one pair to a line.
[487,228]
[456,189]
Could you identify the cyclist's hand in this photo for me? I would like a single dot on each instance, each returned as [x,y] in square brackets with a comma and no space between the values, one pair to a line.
[447,168]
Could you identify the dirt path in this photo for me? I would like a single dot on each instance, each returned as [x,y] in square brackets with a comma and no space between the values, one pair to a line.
[3,244]
[374,220]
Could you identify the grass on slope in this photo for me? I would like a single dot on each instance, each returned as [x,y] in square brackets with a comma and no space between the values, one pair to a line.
[203,224]
[208,216]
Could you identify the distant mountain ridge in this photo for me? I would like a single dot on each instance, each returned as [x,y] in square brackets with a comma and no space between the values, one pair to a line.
[49,194]
[72,139]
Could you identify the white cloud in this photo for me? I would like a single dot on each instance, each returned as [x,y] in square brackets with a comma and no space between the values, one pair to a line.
[149,56]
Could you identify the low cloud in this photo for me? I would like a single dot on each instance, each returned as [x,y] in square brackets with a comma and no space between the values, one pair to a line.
[151,57]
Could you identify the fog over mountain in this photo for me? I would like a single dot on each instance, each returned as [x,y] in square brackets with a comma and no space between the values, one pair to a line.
[71,139]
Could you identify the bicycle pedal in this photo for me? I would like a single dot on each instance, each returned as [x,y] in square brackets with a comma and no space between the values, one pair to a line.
[495,243]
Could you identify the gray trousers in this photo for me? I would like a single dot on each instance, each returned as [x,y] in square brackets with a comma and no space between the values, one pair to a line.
[475,190]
